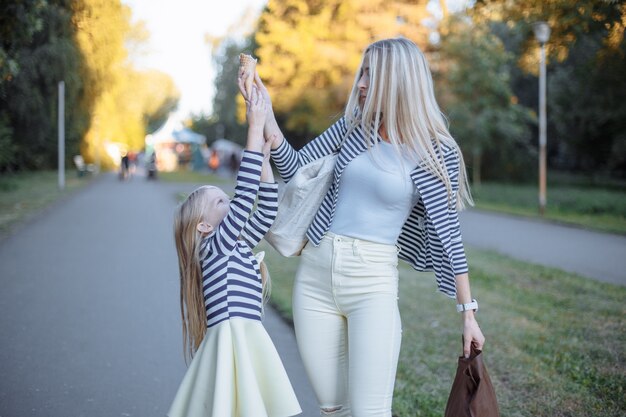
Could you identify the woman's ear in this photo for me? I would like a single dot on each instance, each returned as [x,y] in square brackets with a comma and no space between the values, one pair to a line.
[204,227]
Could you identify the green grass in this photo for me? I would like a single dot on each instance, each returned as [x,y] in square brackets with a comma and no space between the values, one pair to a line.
[26,193]
[596,208]
[555,341]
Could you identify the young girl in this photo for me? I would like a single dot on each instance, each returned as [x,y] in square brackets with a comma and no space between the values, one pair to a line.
[235,371]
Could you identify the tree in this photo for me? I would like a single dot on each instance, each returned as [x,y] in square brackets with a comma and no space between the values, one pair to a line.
[160,97]
[123,102]
[101,30]
[227,119]
[227,102]
[19,22]
[587,104]
[586,86]
[309,51]
[569,21]
[28,103]
[484,115]
[80,42]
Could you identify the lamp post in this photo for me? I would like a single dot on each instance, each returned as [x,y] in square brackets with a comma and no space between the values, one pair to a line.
[61,130]
[542,34]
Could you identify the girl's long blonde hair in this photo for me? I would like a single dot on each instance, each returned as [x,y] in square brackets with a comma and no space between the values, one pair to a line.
[401,98]
[188,239]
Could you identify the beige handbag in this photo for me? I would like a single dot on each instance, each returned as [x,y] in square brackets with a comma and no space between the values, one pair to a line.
[298,203]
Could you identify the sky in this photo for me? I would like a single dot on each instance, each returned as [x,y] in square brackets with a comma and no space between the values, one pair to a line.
[177,42]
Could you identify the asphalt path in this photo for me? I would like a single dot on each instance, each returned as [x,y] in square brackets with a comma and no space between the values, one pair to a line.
[595,255]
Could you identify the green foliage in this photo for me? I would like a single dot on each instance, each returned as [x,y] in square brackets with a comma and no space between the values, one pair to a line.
[160,97]
[586,87]
[20,20]
[7,147]
[80,42]
[101,31]
[309,52]
[569,21]
[29,102]
[474,83]
[227,96]
[228,117]
[205,125]
[590,129]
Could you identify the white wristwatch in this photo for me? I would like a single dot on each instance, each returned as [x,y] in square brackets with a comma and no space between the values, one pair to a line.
[469,306]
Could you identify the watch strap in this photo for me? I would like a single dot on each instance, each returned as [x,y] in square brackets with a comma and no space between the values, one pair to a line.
[473,305]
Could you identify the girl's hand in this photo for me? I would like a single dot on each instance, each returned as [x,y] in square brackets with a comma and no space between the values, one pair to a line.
[471,334]
[256,110]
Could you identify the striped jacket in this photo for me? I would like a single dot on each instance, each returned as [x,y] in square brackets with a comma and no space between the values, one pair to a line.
[231,280]
[430,239]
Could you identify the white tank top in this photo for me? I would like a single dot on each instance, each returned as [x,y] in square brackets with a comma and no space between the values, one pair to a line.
[376,195]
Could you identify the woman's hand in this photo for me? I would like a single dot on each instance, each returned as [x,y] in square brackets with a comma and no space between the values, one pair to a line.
[263,91]
[266,151]
[271,130]
[267,175]
[471,333]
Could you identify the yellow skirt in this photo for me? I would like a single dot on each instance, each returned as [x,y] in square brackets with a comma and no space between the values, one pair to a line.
[236,372]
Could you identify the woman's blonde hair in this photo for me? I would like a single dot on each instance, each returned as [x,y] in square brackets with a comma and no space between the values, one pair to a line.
[401,97]
[188,239]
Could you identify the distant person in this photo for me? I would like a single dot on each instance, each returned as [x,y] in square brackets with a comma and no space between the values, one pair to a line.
[214,161]
[235,370]
[124,167]
[234,162]
[151,166]
[132,162]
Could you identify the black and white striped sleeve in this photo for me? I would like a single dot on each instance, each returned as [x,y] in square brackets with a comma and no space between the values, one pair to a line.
[288,160]
[263,217]
[457,251]
[248,178]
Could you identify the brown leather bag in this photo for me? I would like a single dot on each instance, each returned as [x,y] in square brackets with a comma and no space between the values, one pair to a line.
[472,394]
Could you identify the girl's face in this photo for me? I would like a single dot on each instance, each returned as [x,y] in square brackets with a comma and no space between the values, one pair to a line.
[364,81]
[216,206]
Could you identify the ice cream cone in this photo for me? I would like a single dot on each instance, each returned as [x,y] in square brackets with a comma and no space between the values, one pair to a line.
[247,65]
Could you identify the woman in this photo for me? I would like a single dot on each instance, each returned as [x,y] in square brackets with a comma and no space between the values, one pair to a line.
[398,183]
